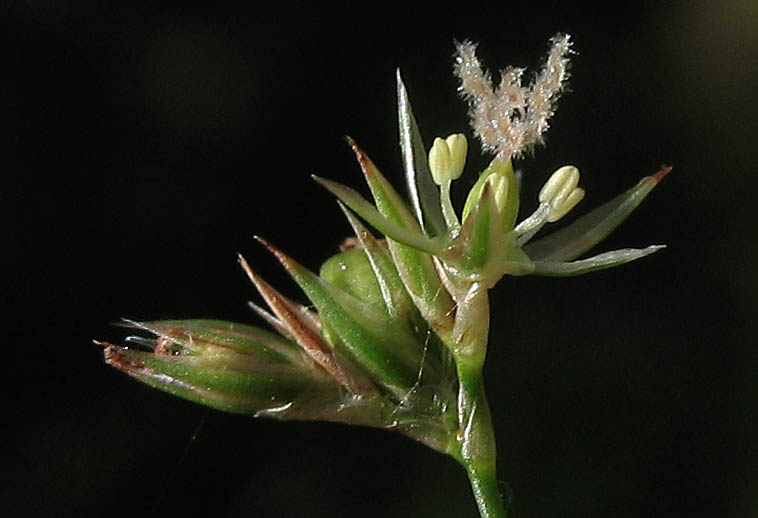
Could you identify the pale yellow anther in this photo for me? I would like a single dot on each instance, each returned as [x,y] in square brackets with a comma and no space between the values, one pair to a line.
[499,185]
[439,161]
[458,146]
[568,203]
[561,193]
[560,184]
[447,158]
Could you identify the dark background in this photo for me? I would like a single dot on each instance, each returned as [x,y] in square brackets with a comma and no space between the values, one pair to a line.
[145,146]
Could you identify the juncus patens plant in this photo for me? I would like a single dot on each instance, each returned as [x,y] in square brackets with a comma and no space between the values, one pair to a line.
[395,332]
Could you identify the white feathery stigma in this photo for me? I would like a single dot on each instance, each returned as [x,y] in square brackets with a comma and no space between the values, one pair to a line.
[513,117]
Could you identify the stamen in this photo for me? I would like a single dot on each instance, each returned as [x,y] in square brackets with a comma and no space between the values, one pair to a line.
[531,225]
[446,160]
[561,192]
[557,197]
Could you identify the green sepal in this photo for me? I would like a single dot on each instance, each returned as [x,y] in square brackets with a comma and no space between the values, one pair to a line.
[310,334]
[423,192]
[481,235]
[398,302]
[385,349]
[373,217]
[388,202]
[573,240]
[591,264]
[414,264]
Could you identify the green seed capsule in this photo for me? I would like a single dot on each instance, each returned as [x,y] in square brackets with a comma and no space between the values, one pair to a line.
[352,272]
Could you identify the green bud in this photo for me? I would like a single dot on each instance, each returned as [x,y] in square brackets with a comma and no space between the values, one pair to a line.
[228,366]
[352,272]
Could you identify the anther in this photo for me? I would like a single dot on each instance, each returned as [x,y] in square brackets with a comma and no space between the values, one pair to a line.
[561,193]
[447,158]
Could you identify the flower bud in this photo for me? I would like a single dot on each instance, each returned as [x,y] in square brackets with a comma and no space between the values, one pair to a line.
[228,366]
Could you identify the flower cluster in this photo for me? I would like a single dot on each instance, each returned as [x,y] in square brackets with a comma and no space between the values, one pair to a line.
[395,334]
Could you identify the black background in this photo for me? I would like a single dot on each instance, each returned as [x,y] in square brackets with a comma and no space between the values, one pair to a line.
[146,145]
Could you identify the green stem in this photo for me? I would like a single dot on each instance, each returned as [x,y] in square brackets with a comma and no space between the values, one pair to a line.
[477,442]
[476,438]
[486,493]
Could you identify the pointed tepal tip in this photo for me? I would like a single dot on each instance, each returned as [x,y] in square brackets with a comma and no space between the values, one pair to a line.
[403,105]
[329,185]
[653,249]
[246,268]
[283,258]
[118,357]
[242,261]
[666,169]
[399,81]
[364,161]
[265,243]
[354,146]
